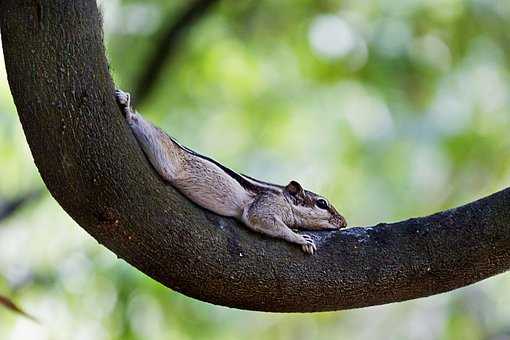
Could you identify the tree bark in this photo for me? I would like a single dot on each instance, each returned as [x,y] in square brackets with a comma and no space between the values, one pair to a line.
[93,167]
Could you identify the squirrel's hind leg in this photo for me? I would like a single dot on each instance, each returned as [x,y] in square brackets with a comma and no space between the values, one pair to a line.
[124,101]
[162,152]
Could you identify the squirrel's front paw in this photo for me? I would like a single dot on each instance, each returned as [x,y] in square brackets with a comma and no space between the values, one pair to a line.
[309,246]
[123,98]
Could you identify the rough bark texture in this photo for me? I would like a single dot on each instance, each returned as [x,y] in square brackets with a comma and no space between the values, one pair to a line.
[93,167]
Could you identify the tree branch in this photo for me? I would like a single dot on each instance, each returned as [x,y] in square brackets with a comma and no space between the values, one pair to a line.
[168,45]
[94,168]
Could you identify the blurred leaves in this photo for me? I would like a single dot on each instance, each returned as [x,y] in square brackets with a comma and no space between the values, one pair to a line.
[9,207]
[167,46]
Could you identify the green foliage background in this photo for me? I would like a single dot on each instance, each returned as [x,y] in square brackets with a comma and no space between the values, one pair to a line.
[392,109]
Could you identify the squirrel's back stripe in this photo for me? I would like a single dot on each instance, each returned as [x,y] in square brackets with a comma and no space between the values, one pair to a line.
[246,182]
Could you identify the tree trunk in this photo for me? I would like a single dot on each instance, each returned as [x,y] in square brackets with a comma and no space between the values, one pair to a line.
[92,165]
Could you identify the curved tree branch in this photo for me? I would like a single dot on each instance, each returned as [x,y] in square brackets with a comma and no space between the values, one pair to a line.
[93,167]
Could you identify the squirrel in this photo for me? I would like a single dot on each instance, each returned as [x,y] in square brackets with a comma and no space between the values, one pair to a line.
[267,208]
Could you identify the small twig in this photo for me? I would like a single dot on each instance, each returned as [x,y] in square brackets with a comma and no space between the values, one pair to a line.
[8,304]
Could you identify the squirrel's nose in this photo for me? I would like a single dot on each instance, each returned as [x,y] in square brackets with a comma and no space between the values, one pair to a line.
[342,222]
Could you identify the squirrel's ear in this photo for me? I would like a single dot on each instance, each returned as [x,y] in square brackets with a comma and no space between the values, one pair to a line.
[294,188]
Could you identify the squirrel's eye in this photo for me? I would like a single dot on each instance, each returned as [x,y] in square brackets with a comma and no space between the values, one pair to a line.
[322,203]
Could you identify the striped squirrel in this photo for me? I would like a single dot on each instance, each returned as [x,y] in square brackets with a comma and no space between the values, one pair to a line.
[264,207]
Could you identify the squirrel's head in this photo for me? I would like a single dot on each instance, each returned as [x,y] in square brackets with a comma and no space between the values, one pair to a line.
[312,211]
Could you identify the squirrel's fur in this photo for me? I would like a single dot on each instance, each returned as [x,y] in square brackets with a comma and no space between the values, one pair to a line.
[264,207]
